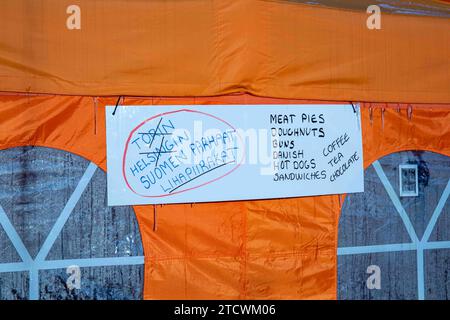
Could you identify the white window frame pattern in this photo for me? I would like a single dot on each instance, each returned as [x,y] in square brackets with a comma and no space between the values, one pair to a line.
[416,244]
[33,266]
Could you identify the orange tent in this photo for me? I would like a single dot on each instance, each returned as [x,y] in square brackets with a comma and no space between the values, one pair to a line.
[56,82]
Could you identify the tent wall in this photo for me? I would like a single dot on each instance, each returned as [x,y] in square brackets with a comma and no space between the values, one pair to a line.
[283,49]
[248,249]
[56,83]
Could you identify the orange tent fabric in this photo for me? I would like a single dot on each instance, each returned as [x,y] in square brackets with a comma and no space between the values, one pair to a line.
[57,82]
[283,49]
[233,250]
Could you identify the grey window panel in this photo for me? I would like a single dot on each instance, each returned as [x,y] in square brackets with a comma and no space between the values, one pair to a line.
[370,232]
[370,218]
[14,285]
[35,185]
[398,276]
[437,274]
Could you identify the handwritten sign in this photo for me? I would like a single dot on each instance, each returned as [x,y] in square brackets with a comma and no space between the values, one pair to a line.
[186,154]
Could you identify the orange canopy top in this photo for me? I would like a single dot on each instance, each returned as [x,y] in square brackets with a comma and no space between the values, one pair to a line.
[283,49]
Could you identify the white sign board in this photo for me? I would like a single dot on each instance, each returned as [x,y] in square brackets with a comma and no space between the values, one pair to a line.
[186,154]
